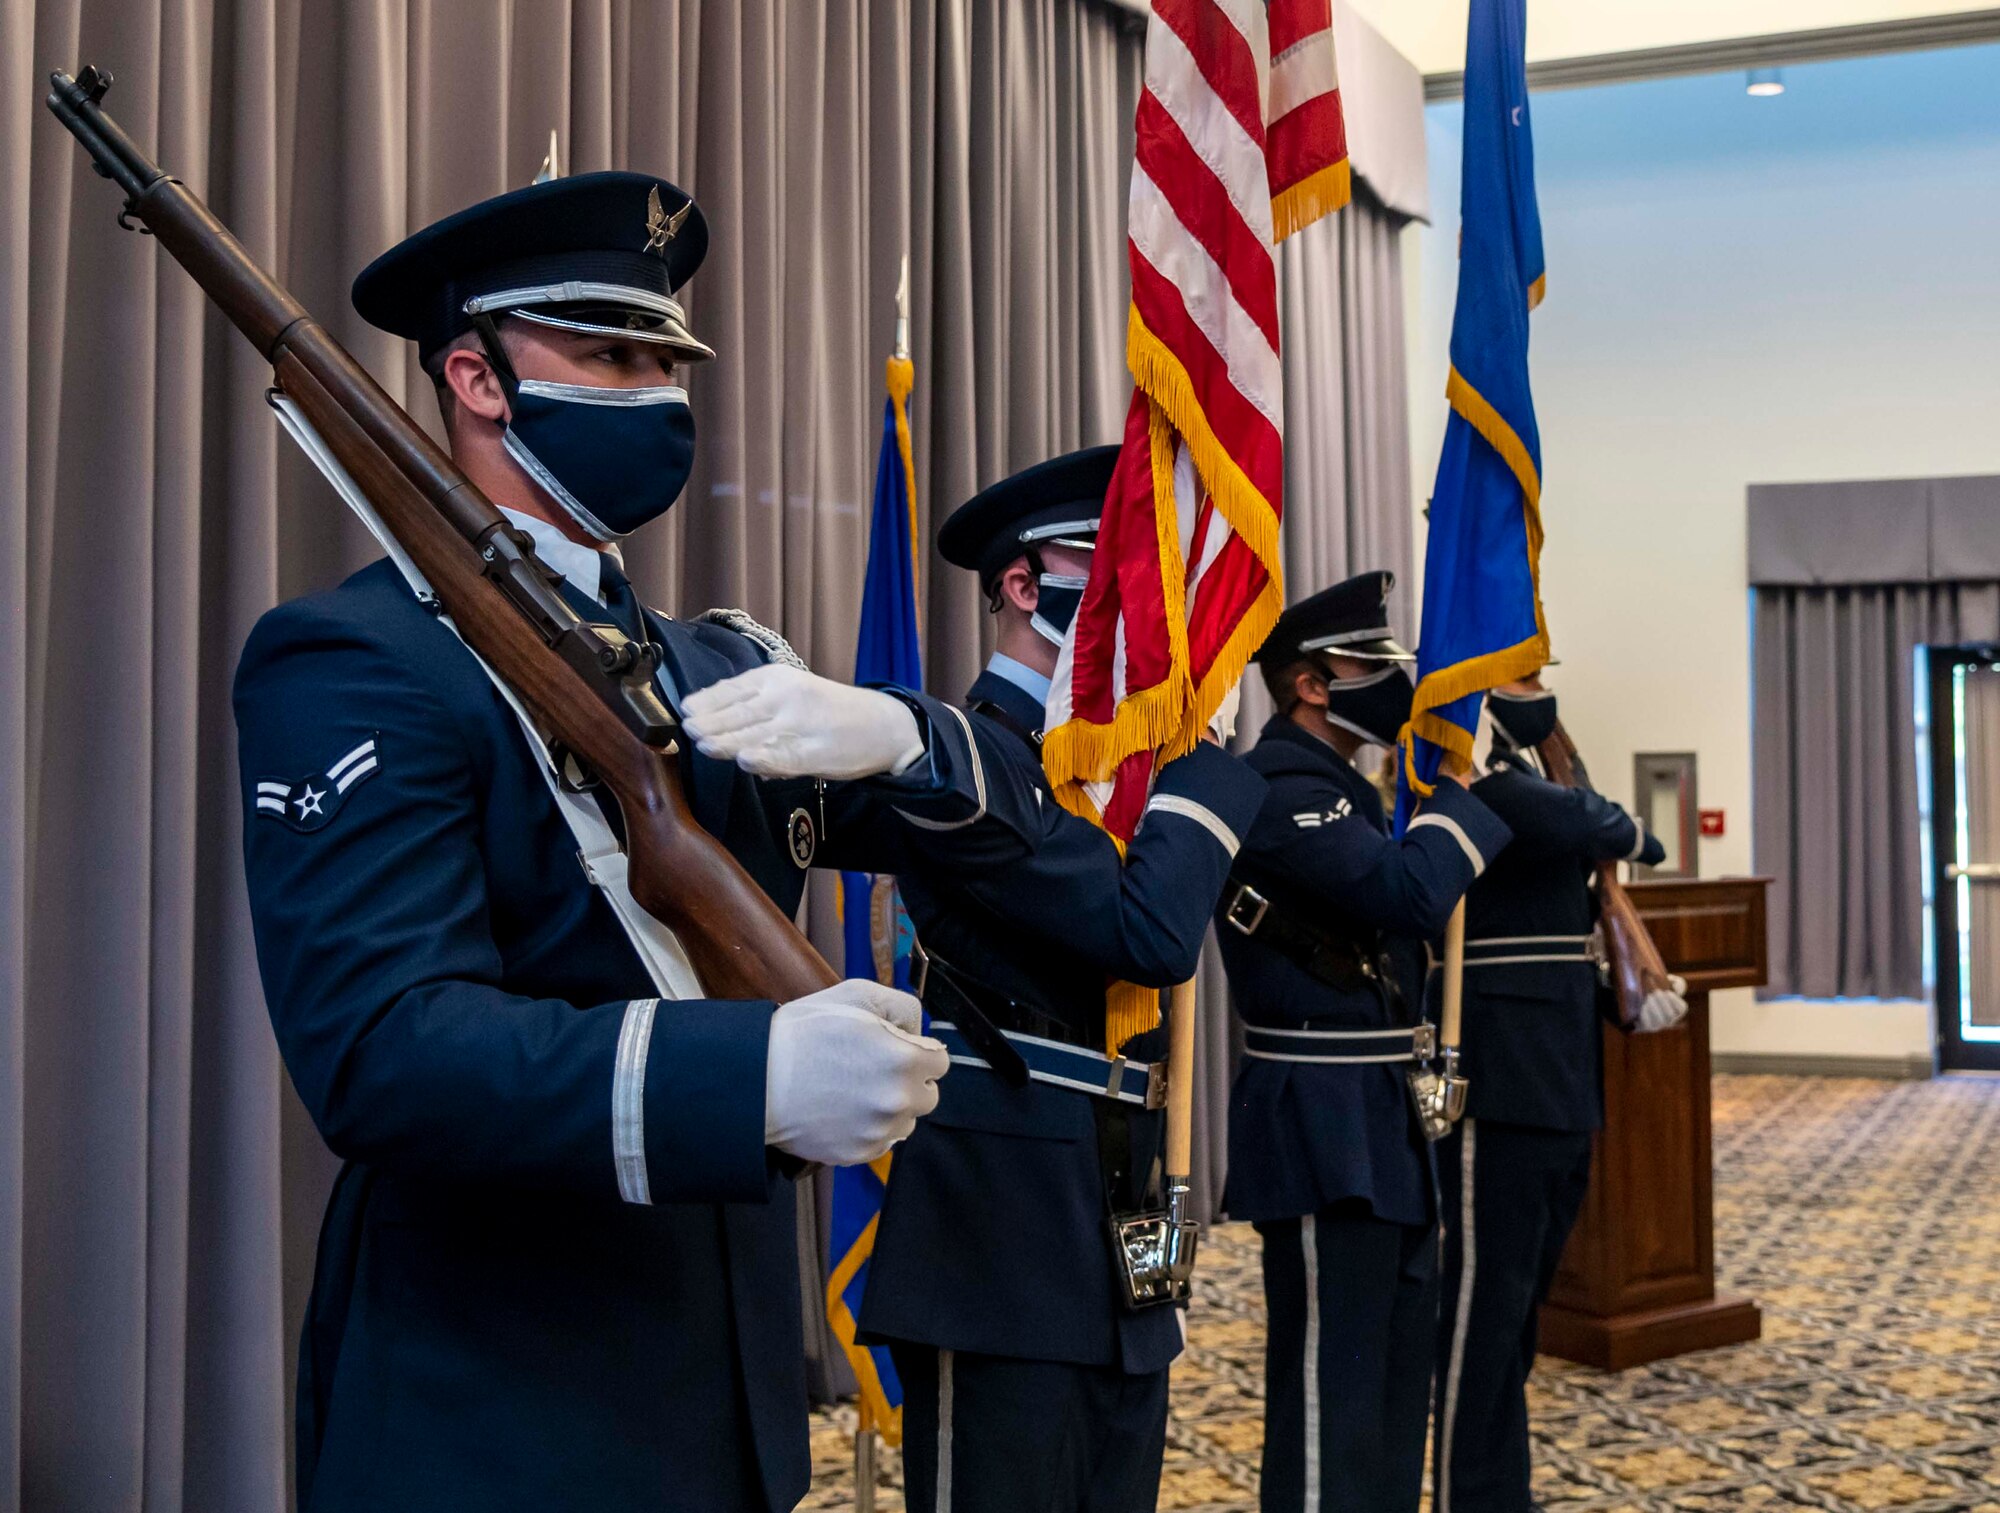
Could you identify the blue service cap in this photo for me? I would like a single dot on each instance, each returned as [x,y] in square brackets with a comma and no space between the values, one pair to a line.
[1350,619]
[1058,500]
[598,252]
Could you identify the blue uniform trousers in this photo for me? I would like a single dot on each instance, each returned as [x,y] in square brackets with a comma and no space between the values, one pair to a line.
[1353,1311]
[994,1434]
[1511,1195]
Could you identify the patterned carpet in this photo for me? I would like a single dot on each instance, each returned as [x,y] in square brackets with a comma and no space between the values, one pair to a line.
[1862,1216]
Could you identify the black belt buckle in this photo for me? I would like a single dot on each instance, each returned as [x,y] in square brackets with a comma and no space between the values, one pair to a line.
[1246,910]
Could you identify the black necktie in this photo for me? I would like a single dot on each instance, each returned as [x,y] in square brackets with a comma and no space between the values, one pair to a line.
[619,600]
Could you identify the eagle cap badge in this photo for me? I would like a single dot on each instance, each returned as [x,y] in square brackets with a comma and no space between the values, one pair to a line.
[662,228]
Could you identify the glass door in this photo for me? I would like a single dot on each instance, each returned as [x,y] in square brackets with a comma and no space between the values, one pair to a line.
[1965,852]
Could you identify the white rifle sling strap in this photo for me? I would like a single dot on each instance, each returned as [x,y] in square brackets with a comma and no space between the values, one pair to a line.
[604,861]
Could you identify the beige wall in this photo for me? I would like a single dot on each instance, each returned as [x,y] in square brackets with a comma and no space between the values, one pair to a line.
[1432,32]
[1779,291]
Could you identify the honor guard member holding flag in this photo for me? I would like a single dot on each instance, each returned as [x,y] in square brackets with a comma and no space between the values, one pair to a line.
[1322,931]
[1515,1169]
[558,1268]
[1029,1382]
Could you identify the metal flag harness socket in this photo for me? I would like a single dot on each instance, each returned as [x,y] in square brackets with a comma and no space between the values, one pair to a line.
[1156,1251]
[1438,1093]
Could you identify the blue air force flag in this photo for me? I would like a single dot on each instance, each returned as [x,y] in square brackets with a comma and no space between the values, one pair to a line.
[878,931]
[1482,613]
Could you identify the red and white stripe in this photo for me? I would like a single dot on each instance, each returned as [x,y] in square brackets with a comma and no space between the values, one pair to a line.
[1238,142]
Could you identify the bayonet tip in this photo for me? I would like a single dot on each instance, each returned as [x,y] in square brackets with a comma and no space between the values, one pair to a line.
[551,165]
[903,310]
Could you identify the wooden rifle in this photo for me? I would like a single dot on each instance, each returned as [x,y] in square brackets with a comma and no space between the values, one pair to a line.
[1637,969]
[588,686]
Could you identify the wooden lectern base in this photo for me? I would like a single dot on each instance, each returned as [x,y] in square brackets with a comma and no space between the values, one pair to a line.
[1637,1282]
[1632,1339]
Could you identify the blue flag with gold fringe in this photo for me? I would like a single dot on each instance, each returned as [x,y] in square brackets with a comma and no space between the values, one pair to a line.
[1482,614]
[878,934]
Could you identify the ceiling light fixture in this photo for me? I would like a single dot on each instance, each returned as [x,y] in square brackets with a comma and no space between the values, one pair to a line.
[1766,81]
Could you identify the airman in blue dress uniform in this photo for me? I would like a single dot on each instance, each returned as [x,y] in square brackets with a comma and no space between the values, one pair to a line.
[1028,1382]
[1322,931]
[1515,1169]
[558,1269]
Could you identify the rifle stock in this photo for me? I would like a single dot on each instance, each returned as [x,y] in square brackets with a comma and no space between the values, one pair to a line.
[587,687]
[1637,969]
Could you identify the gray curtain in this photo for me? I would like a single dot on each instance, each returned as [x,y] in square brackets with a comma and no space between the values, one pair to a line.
[1848,580]
[1835,781]
[1347,509]
[160,1189]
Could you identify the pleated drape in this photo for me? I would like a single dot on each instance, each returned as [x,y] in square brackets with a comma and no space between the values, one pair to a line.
[1834,759]
[160,1188]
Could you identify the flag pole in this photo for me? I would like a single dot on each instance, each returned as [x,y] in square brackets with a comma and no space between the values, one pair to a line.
[865,1440]
[1181,1228]
[1451,1015]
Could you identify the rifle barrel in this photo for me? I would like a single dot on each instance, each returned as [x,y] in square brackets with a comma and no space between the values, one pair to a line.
[501,598]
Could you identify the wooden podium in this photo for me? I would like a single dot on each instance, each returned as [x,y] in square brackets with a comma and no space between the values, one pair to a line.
[1637,1282]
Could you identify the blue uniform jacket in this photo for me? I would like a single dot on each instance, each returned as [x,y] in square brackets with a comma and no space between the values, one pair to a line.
[993,1234]
[1302,1136]
[498,1320]
[1533,1046]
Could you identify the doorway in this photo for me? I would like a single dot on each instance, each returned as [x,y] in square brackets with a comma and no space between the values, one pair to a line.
[1964,688]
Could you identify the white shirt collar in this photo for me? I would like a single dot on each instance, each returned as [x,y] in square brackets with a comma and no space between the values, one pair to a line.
[576,562]
[1022,676]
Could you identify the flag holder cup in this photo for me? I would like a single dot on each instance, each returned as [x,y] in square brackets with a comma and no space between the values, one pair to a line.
[1156,1250]
[1439,1092]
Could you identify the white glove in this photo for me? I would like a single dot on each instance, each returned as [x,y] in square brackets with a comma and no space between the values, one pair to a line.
[785,722]
[1222,724]
[848,1074]
[1664,1007]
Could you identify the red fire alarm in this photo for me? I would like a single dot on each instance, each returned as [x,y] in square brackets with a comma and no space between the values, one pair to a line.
[1711,821]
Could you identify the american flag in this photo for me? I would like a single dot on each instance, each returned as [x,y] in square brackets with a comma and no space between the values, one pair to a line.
[1240,141]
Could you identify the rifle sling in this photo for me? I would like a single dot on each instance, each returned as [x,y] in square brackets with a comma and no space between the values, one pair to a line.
[603,859]
[1349,963]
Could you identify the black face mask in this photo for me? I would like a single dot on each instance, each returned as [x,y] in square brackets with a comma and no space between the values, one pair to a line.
[1526,719]
[1056,605]
[613,458]
[1058,596]
[1375,707]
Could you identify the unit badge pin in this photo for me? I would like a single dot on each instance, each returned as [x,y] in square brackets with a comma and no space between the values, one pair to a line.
[799,834]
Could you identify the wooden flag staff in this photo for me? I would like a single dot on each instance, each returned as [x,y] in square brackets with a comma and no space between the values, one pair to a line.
[1180,1114]
[1156,1250]
[1439,1090]
[1451,1014]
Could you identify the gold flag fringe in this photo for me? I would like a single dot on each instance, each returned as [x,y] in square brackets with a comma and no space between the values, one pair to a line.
[1317,194]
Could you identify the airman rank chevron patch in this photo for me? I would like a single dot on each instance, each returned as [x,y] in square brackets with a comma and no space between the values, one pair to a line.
[1312,819]
[311,803]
